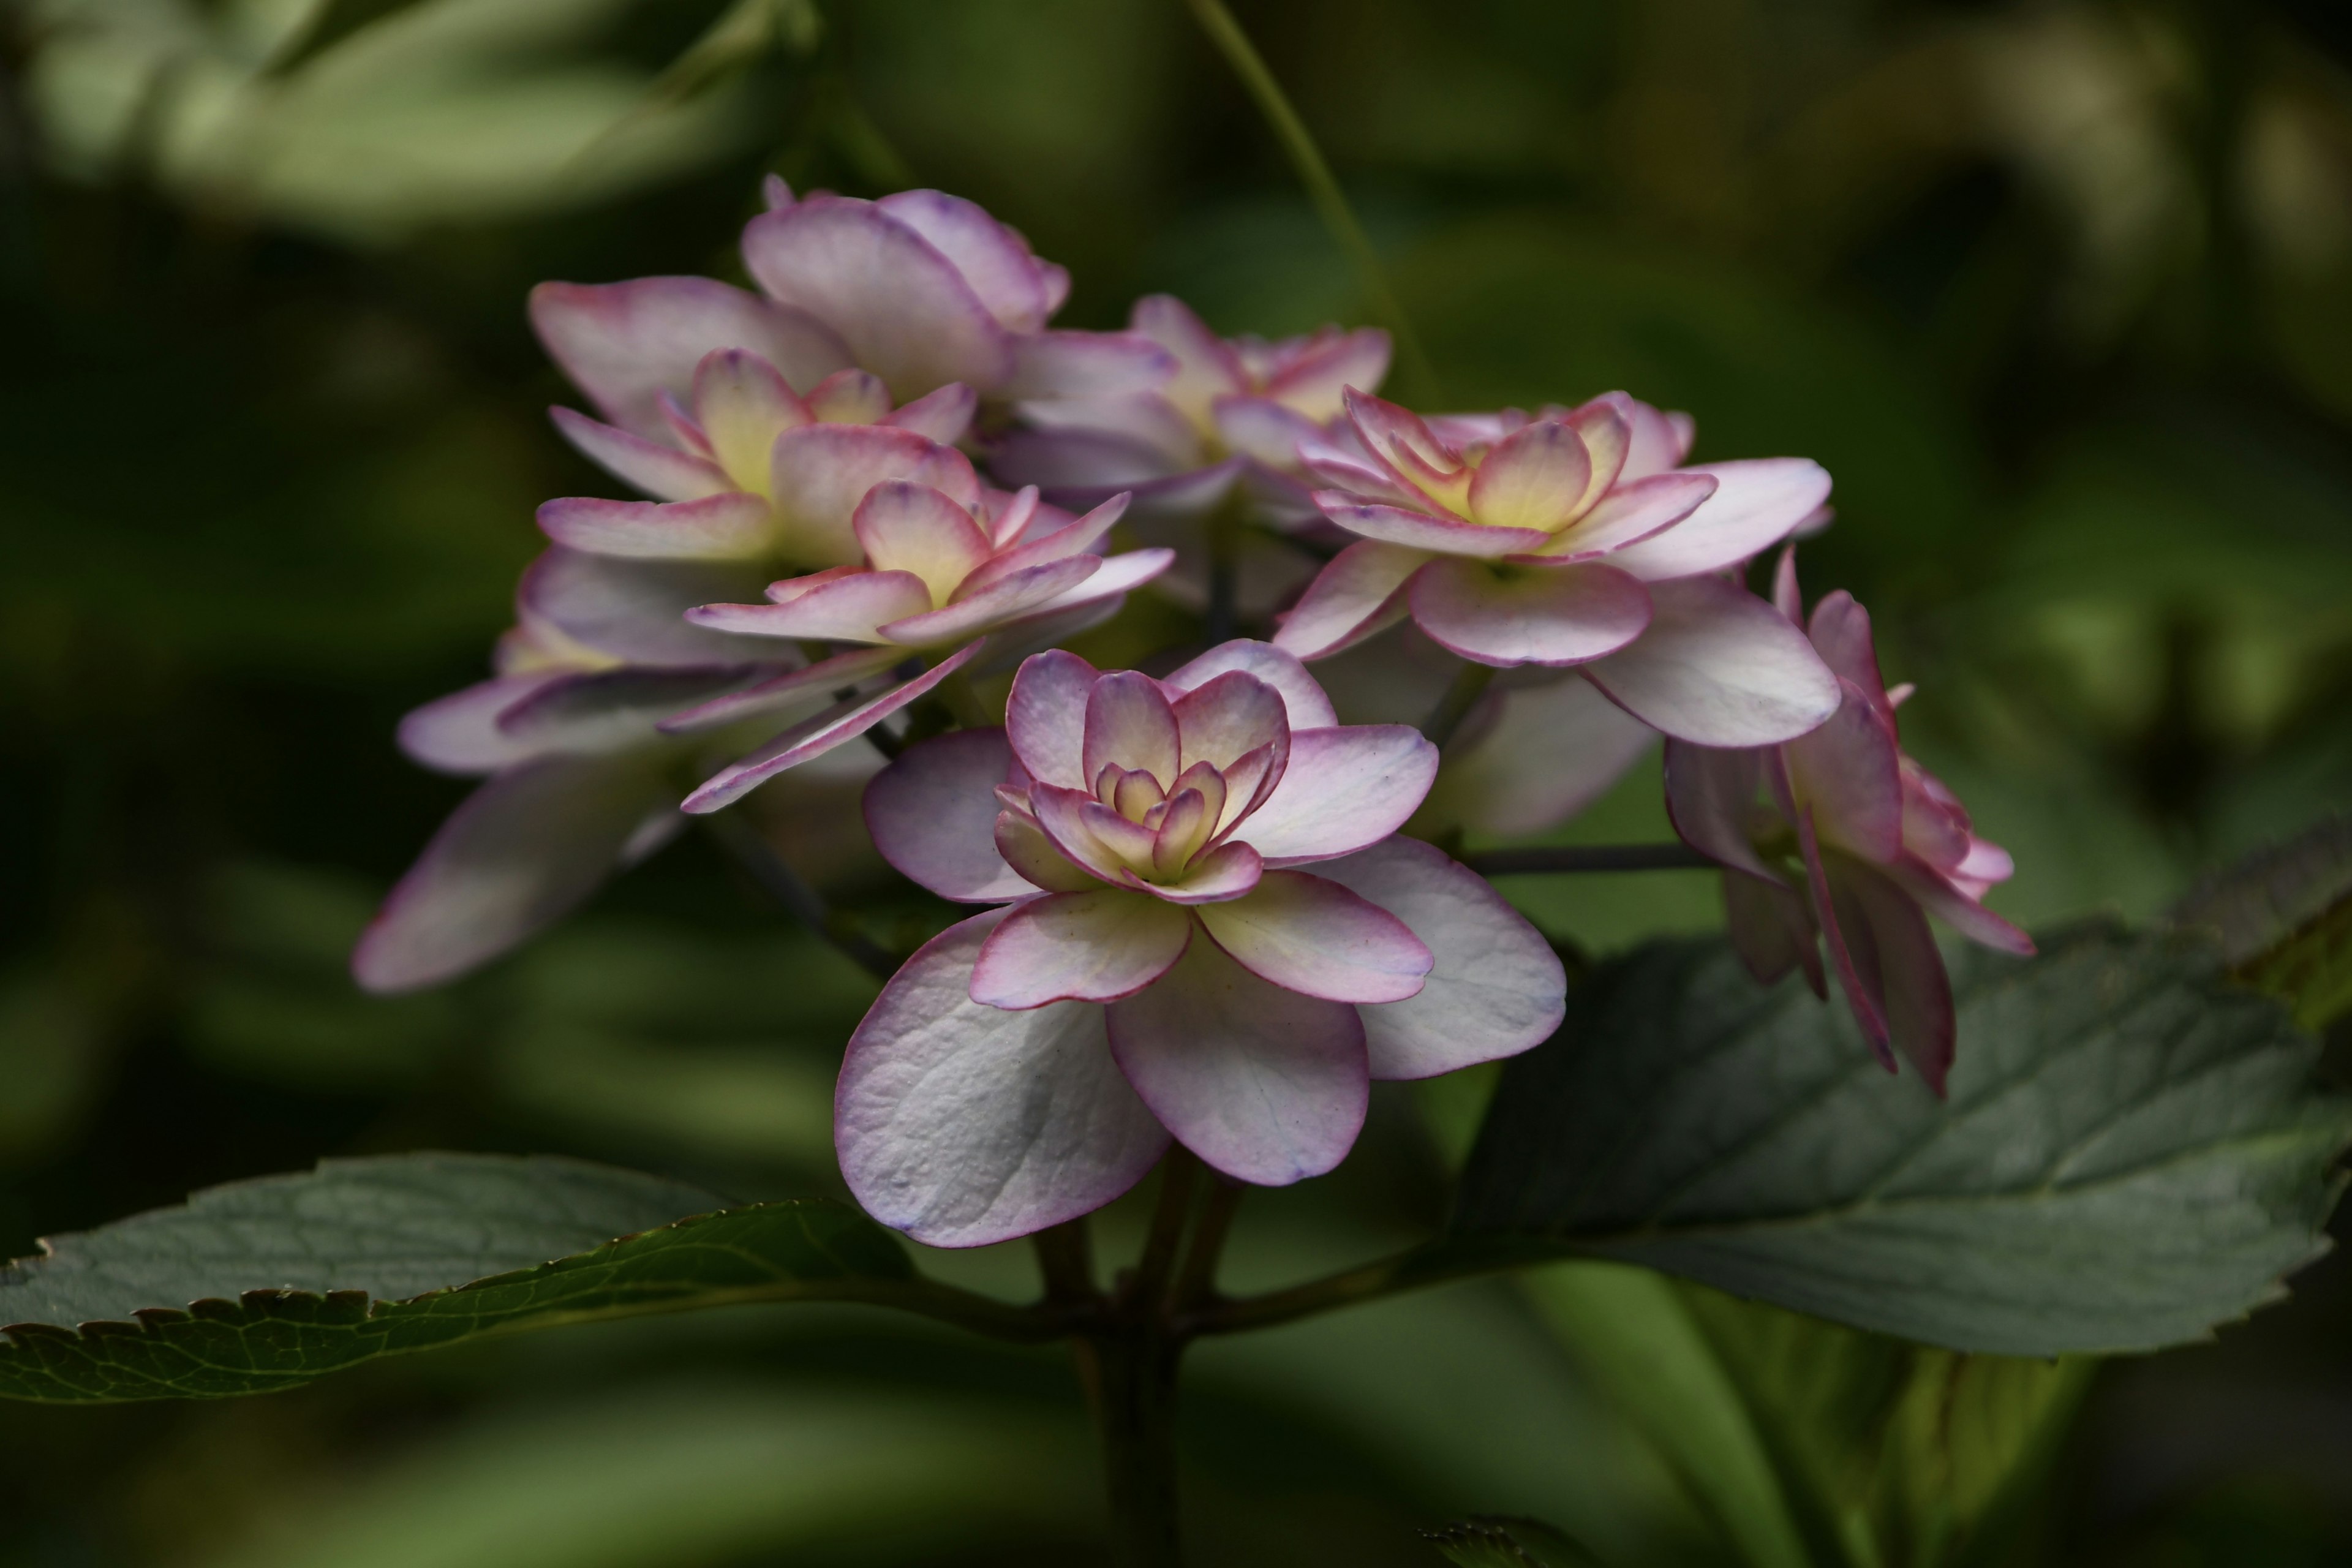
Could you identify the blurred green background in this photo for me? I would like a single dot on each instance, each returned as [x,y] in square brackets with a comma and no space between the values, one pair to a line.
[2061,293]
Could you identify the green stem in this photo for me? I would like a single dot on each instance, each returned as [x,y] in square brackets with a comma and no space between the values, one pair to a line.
[963,701]
[1431,1265]
[1131,1378]
[1322,189]
[1452,708]
[1145,1289]
[775,874]
[1196,1282]
[1587,858]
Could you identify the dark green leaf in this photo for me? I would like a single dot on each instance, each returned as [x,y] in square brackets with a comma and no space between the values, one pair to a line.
[265,1284]
[2284,917]
[2132,1152]
[330,24]
[1509,1544]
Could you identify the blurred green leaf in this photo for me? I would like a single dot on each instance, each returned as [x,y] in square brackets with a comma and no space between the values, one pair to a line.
[2283,916]
[51,1052]
[331,22]
[2132,1152]
[1509,1544]
[268,1283]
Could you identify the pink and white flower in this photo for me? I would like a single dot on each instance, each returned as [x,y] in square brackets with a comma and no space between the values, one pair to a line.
[1573,540]
[1208,932]
[1839,835]
[938,577]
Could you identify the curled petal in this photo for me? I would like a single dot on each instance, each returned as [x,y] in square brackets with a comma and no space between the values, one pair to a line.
[1841,635]
[1495,987]
[1892,954]
[848,608]
[907,527]
[1303,700]
[1095,946]
[459,733]
[1228,871]
[1535,478]
[1078,538]
[742,404]
[1040,588]
[1719,666]
[1073,823]
[944,415]
[1956,908]
[1848,773]
[1344,788]
[1529,614]
[963,1124]
[1264,1084]
[820,472]
[636,610]
[731,526]
[1029,852]
[1316,383]
[1094,595]
[1772,928]
[608,710]
[829,678]
[661,472]
[932,815]
[1841,928]
[1046,718]
[1131,722]
[1606,425]
[1315,937]
[1756,504]
[1428,530]
[1629,514]
[1711,794]
[1360,592]
[1227,717]
[1019,290]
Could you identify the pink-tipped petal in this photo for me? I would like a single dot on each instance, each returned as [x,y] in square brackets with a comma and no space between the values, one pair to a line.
[1095,946]
[1894,955]
[1848,772]
[829,679]
[994,260]
[742,403]
[1056,365]
[1344,788]
[1095,597]
[1205,367]
[1495,988]
[609,710]
[1529,614]
[1841,635]
[932,815]
[1629,513]
[1659,441]
[1046,718]
[907,527]
[1304,705]
[1073,823]
[1720,667]
[459,733]
[1787,597]
[1606,425]
[1265,1085]
[850,397]
[1030,852]
[1773,930]
[1360,592]
[1847,935]
[1396,439]
[944,415]
[837,726]
[1079,537]
[901,306]
[1263,431]
[1315,937]
[634,611]
[1230,871]
[661,472]
[1956,910]
[1756,504]
[1131,722]
[731,526]
[1227,717]
[1536,480]
[842,609]
[1711,796]
[962,1124]
[1555,750]
[521,851]
[1314,383]
[820,472]
[1427,530]
[1004,602]
[625,343]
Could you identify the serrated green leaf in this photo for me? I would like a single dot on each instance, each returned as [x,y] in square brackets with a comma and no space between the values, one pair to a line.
[2284,918]
[2132,1152]
[265,1284]
[1509,1544]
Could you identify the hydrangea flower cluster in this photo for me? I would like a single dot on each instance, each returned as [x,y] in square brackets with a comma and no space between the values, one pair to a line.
[874,499]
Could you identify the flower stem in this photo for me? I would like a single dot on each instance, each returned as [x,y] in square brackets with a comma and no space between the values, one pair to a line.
[1130,1377]
[1322,189]
[1196,1282]
[1587,858]
[775,874]
[1452,708]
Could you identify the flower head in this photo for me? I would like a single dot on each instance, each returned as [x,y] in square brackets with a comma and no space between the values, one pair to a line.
[1570,539]
[1839,835]
[1169,964]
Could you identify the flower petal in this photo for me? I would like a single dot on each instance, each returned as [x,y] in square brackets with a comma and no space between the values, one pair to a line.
[1303,700]
[906,527]
[1046,718]
[743,404]
[827,679]
[730,526]
[636,610]
[944,415]
[1031,855]
[842,723]
[1131,722]
[1206,368]
[962,1124]
[1847,935]
[1265,1085]
[1535,479]
[1344,788]
[932,815]
[1711,796]
[1079,537]
[606,710]
[1265,431]
[1050,366]
[902,307]
[522,850]
[1227,717]
[623,344]
[1956,910]
[1228,871]
[1755,505]
[1360,592]
[1428,530]
[1553,751]
[1848,773]
[1095,946]
[1495,988]
[1629,513]
[847,608]
[1314,383]
[1720,667]
[1007,599]
[993,260]
[1841,635]
[820,472]
[1894,957]
[1529,614]
[1772,928]
[459,733]
[1315,937]
[662,472]
[1074,822]
[1094,597]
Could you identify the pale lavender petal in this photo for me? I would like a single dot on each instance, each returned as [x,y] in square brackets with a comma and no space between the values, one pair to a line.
[1315,382]
[1787,597]
[1131,722]
[1079,537]
[1031,855]
[944,415]
[1056,365]
[1660,441]
[903,308]
[1956,910]
[1265,1085]
[1847,935]
[1629,513]
[1720,667]
[1263,431]
[994,260]
[1302,699]
[731,526]
[1315,937]
[1755,506]
[1344,788]
[1529,614]
[1894,957]
[1847,773]
[1772,928]
[1554,750]
[822,471]
[459,733]
[1094,599]
[1227,717]
[625,343]
[907,527]
[1360,592]
[636,610]
[1000,604]
[1428,530]
[606,710]
[1535,479]
[1711,796]
[842,723]
[661,472]
[1205,366]
[932,815]
[1606,425]
[1096,946]
[842,609]
[520,852]
[1841,635]
[1495,988]
[1228,871]
[1046,718]
[1070,820]
[962,1124]
[827,679]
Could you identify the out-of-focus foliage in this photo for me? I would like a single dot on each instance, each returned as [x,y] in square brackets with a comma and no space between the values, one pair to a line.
[2061,291]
